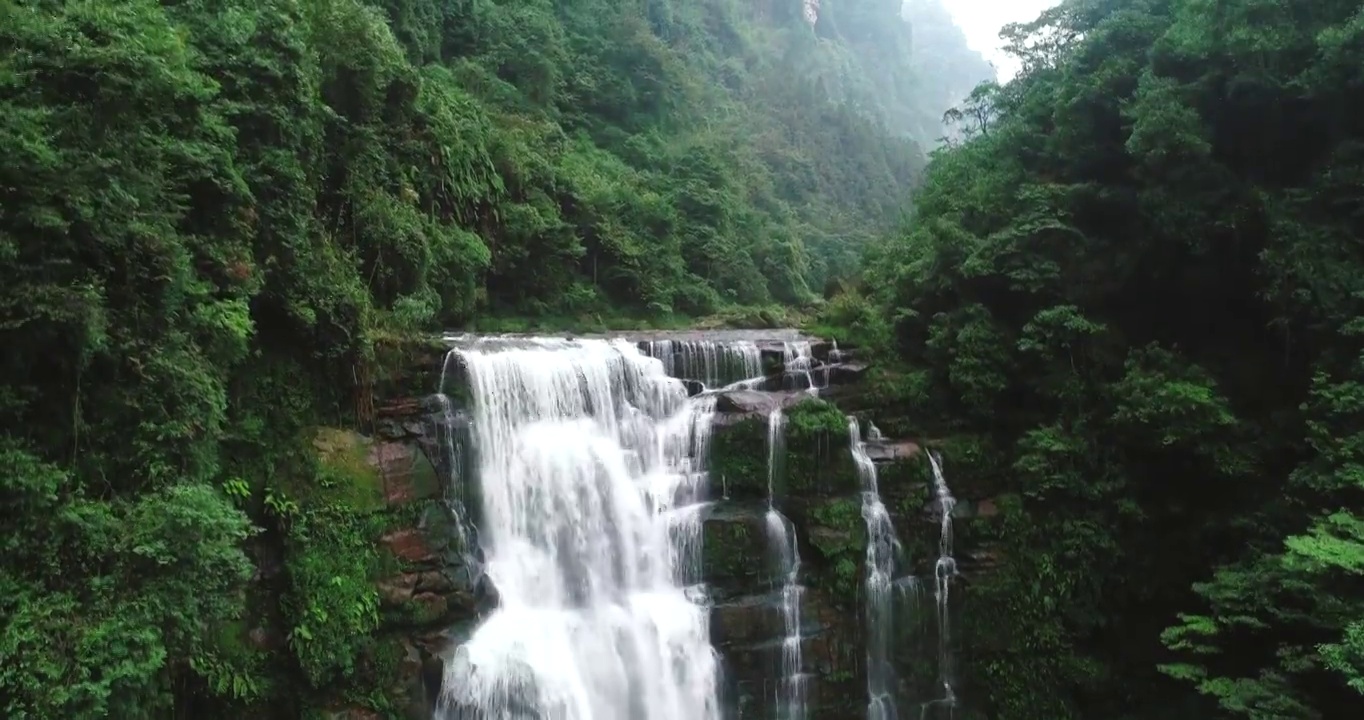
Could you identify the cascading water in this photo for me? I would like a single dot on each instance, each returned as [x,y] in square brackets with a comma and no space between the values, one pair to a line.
[453,446]
[712,363]
[798,359]
[944,570]
[590,464]
[882,548]
[781,537]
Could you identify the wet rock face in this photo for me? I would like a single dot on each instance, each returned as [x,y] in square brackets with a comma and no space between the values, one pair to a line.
[817,488]
[814,486]
[734,550]
[431,584]
[748,627]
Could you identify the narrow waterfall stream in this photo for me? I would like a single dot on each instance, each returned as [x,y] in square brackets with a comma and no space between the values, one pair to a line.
[944,570]
[781,538]
[590,463]
[799,361]
[882,548]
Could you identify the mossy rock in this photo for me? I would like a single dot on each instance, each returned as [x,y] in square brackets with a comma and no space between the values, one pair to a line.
[818,460]
[835,529]
[738,460]
[905,477]
[734,554]
[406,365]
[346,475]
[426,481]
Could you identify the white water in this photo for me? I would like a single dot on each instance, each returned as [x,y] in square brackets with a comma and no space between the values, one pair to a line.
[712,363]
[590,462]
[943,571]
[452,445]
[882,548]
[798,359]
[781,537]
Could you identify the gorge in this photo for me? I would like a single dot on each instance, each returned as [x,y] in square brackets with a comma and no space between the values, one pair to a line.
[679,528]
[1089,444]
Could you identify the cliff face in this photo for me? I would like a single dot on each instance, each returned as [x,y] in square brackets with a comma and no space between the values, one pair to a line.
[816,486]
[432,591]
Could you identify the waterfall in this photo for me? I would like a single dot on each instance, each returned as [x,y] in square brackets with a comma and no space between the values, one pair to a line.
[781,537]
[775,422]
[882,548]
[943,571]
[453,445]
[798,358]
[590,464]
[712,363]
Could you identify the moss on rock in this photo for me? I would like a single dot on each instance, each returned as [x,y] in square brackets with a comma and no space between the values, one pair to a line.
[738,459]
[347,476]
[818,461]
[734,552]
[839,534]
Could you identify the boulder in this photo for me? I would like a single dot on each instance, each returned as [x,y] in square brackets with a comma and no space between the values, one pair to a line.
[410,545]
[750,403]
[846,373]
[398,589]
[746,401]
[891,451]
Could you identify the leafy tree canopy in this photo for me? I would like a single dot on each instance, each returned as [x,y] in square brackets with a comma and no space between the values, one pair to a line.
[1133,294]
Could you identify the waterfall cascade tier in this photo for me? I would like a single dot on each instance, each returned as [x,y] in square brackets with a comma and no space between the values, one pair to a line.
[589,463]
[781,537]
[716,360]
[944,570]
[883,547]
[591,482]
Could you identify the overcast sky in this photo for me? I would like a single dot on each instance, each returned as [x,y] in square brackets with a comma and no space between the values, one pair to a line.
[982,19]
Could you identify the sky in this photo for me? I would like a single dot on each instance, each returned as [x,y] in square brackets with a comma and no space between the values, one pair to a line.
[981,20]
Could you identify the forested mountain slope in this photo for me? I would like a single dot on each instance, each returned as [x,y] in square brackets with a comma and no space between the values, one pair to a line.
[212,212]
[1135,299]
[944,76]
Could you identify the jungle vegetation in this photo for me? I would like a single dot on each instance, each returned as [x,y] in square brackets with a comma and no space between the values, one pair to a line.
[1132,296]
[216,214]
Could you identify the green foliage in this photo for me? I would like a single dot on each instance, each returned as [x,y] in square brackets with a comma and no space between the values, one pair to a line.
[214,212]
[332,604]
[107,611]
[814,419]
[1132,288]
[817,459]
[840,537]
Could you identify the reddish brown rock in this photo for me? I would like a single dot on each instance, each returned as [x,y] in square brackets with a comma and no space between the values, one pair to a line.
[408,475]
[403,407]
[398,589]
[409,545]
